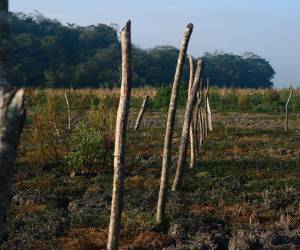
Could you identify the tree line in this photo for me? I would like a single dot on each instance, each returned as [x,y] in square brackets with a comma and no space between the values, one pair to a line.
[47,53]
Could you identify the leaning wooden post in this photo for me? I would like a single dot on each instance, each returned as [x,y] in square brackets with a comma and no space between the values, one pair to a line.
[142,111]
[192,127]
[164,181]
[208,110]
[177,183]
[120,141]
[12,116]
[286,127]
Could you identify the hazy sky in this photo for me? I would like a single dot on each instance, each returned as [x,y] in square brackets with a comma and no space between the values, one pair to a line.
[269,28]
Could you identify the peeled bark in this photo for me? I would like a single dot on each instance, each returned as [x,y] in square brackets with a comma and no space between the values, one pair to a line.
[177,184]
[286,127]
[12,115]
[120,140]
[141,114]
[164,181]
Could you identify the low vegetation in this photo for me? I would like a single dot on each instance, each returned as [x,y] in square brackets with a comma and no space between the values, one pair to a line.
[245,186]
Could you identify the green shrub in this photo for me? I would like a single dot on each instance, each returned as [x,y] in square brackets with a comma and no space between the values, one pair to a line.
[162,98]
[89,149]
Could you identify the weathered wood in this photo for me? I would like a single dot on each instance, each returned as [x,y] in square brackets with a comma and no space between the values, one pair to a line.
[177,183]
[208,110]
[196,130]
[69,111]
[12,115]
[209,116]
[286,125]
[204,113]
[141,114]
[192,127]
[120,140]
[198,125]
[163,191]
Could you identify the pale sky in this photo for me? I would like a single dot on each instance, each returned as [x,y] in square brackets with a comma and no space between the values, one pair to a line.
[269,28]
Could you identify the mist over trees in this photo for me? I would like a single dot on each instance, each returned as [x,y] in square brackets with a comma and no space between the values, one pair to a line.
[46,53]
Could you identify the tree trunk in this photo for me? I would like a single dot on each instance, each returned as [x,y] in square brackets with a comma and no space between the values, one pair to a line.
[192,127]
[177,184]
[142,111]
[286,127]
[12,115]
[162,199]
[120,141]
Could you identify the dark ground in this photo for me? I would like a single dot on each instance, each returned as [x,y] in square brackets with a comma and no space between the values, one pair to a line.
[243,194]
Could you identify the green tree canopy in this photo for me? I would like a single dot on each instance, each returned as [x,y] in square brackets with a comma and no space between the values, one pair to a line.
[47,53]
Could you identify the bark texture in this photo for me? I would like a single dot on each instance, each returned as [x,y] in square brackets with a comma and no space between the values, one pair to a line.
[286,125]
[141,114]
[177,183]
[120,140]
[164,181]
[12,115]
[192,126]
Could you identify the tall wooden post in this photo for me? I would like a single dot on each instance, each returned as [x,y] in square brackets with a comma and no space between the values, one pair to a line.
[12,115]
[120,141]
[164,181]
[186,125]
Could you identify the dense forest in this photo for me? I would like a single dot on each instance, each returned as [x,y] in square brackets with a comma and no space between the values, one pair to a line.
[46,53]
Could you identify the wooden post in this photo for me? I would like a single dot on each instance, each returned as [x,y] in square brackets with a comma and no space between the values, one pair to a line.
[202,123]
[12,116]
[286,127]
[177,183]
[120,140]
[204,113]
[209,116]
[198,119]
[192,127]
[69,111]
[142,111]
[208,110]
[196,129]
[164,181]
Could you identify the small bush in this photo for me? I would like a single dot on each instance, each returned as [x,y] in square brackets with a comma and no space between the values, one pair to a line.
[162,98]
[89,149]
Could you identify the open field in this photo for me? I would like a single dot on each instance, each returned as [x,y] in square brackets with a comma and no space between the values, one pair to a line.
[245,186]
